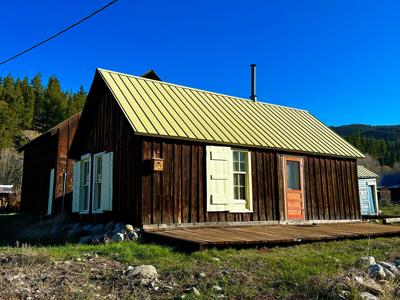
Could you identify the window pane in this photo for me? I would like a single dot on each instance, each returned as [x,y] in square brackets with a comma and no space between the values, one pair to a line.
[236,166]
[293,175]
[241,156]
[242,179]
[242,193]
[235,156]
[242,167]
[99,166]
[236,193]
[235,179]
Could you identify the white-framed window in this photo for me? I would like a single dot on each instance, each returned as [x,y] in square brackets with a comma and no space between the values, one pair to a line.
[84,168]
[228,179]
[93,187]
[102,182]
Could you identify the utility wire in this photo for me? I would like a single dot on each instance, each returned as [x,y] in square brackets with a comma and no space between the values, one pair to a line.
[59,33]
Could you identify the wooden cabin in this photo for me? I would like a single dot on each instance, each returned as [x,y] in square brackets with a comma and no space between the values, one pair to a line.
[47,175]
[153,153]
[368,191]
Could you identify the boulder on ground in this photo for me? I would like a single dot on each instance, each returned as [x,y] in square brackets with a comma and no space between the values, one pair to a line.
[391,267]
[144,273]
[132,236]
[376,271]
[118,237]
[109,226]
[87,228]
[365,261]
[369,286]
[128,228]
[368,296]
[119,227]
[98,228]
[74,232]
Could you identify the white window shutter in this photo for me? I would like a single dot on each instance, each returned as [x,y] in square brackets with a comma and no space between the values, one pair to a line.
[107,181]
[219,178]
[77,187]
[51,193]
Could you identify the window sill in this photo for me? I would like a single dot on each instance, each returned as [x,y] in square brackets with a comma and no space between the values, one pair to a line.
[97,212]
[86,212]
[240,211]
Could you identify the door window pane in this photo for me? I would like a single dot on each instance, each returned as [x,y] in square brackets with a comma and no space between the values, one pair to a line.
[293,175]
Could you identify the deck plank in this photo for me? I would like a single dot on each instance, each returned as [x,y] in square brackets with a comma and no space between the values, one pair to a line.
[273,235]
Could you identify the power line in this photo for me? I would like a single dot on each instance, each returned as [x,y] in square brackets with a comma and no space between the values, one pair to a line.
[59,33]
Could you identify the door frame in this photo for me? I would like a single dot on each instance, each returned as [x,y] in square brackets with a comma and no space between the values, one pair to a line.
[286,157]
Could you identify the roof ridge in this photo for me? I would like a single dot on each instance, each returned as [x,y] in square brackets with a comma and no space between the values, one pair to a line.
[202,90]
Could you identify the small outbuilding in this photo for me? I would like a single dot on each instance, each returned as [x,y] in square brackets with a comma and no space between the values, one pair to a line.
[367,187]
[389,188]
[8,199]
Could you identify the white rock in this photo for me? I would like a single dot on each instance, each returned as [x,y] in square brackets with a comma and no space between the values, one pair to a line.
[217,288]
[215,258]
[118,237]
[358,279]
[368,296]
[128,228]
[132,236]
[145,273]
[391,267]
[365,261]
[388,275]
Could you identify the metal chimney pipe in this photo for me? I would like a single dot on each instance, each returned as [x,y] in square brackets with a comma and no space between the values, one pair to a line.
[253,83]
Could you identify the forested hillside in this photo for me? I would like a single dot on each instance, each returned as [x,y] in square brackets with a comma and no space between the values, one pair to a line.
[380,142]
[27,108]
[27,104]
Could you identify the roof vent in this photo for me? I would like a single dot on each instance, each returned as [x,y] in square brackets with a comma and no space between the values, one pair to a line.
[253,82]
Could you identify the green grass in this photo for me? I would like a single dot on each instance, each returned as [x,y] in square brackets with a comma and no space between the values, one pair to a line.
[282,272]
[293,272]
[392,209]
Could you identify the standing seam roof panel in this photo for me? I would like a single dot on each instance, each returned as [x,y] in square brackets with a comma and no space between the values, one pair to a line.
[205,103]
[201,115]
[223,114]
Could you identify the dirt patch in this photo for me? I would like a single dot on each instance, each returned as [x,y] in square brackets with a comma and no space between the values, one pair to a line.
[36,276]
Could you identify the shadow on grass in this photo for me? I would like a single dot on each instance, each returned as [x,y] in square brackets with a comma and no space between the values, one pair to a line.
[16,229]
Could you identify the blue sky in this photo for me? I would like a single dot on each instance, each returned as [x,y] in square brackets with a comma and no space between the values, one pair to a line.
[338,59]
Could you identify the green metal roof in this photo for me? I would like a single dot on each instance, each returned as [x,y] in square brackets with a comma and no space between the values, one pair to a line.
[363,172]
[156,108]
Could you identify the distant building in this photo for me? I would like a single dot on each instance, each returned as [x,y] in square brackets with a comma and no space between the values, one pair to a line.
[7,197]
[389,188]
[368,191]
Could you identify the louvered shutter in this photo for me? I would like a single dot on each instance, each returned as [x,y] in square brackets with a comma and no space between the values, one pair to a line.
[219,178]
[107,181]
[77,187]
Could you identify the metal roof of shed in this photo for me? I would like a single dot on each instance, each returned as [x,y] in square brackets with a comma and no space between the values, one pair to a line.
[363,172]
[161,109]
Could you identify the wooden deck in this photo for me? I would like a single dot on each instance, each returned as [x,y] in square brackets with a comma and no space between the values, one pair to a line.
[266,235]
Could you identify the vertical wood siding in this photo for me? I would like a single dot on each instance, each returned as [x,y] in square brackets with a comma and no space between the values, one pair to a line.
[47,152]
[104,128]
[178,194]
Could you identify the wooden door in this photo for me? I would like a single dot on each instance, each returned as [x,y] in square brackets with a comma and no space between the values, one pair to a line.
[293,169]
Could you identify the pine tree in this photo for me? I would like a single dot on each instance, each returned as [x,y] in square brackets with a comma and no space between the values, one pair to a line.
[77,101]
[55,103]
[38,117]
